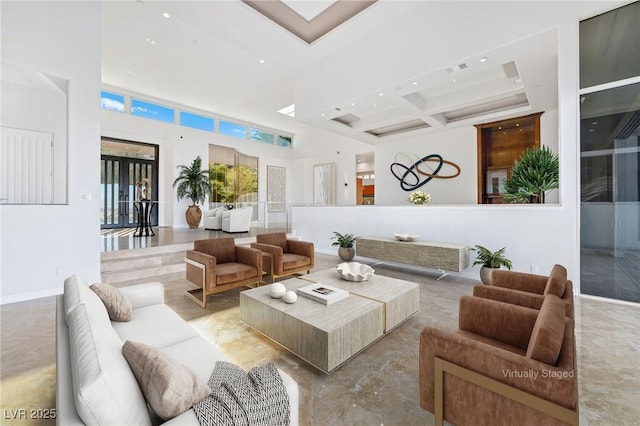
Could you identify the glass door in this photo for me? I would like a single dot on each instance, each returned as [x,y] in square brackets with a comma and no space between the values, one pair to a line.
[610,154]
[123,175]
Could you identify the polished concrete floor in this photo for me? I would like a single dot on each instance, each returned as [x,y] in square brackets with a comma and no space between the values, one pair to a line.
[378,387]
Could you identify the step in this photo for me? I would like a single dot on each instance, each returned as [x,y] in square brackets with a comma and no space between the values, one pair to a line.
[134,274]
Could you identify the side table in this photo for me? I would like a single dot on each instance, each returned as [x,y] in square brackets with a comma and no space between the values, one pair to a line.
[143,214]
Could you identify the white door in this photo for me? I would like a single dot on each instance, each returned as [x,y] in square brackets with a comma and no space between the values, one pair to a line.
[26,167]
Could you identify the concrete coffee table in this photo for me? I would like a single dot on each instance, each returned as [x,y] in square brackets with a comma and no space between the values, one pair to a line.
[328,336]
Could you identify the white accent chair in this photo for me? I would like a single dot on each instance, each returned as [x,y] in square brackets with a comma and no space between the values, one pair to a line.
[213,219]
[237,220]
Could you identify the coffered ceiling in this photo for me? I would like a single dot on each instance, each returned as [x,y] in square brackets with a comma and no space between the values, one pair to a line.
[390,70]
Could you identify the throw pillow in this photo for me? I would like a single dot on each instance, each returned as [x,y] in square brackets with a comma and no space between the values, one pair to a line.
[118,306]
[548,332]
[169,387]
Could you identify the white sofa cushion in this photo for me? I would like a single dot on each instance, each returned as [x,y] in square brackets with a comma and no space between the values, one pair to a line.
[155,325]
[169,387]
[105,390]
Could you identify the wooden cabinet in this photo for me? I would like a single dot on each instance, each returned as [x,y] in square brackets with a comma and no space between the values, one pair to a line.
[500,144]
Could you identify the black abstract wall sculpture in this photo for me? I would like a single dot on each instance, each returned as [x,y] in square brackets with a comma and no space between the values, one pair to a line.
[413,175]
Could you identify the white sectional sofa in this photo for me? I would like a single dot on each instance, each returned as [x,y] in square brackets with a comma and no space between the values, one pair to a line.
[95,384]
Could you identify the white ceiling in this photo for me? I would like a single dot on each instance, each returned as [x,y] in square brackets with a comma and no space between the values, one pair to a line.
[207,55]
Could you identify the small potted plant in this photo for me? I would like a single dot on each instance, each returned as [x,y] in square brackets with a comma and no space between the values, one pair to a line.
[490,260]
[345,242]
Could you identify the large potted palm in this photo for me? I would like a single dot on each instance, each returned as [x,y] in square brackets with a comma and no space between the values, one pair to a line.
[193,183]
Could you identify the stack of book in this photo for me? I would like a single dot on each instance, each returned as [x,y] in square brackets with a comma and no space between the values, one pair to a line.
[323,293]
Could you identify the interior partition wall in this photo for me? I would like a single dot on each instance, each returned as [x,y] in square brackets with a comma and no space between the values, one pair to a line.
[610,154]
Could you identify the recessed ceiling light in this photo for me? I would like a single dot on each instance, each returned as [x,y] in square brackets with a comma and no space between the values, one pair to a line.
[453,81]
[166,15]
[517,124]
[415,83]
[380,94]
[594,123]
[151,41]
[261,61]
[353,104]
[322,115]
[483,59]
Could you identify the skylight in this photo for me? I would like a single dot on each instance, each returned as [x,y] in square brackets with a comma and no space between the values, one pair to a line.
[288,110]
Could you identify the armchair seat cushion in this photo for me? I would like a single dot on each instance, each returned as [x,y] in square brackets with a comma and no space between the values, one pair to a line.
[233,271]
[293,261]
[492,342]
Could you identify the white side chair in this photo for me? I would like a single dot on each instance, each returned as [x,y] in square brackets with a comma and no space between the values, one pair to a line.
[237,220]
[213,219]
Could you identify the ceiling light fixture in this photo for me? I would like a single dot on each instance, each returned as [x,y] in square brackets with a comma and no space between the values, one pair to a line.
[261,61]
[353,104]
[151,41]
[483,59]
[415,83]
[380,94]
[166,15]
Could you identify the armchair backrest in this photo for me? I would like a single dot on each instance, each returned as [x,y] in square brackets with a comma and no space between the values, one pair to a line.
[275,239]
[557,281]
[223,249]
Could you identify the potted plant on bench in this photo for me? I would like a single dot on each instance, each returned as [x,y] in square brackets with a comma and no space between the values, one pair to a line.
[490,260]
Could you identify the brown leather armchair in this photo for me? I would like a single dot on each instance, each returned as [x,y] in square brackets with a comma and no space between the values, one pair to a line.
[506,365]
[528,290]
[288,256]
[217,264]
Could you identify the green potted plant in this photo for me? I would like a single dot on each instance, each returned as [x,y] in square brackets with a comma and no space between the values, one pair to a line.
[490,260]
[193,183]
[346,251]
[532,176]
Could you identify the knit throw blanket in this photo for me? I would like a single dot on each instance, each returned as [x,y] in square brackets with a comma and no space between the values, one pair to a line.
[238,398]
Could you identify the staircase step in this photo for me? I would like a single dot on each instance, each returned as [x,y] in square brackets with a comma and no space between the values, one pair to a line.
[132,274]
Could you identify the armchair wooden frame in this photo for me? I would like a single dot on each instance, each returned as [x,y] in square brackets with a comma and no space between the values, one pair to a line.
[199,295]
[441,366]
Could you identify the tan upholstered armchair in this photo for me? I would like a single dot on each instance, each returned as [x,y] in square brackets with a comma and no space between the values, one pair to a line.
[506,365]
[287,256]
[216,265]
[528,290]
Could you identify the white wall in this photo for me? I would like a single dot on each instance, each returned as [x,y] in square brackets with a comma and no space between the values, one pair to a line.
[536,237]
[42,245]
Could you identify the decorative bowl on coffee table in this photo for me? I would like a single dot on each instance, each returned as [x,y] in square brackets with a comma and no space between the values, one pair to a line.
[354,271]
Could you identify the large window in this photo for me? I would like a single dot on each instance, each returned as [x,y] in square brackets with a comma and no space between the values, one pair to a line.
[233,129]
[153,111]
[196,121]
[114,101]
[234,176]
[111,101]
[610,154]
